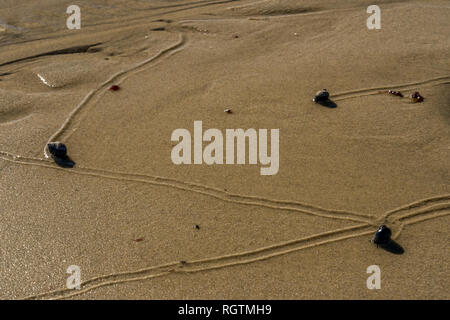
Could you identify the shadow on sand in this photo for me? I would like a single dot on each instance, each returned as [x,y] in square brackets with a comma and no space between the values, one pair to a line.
[327,103]
[64,161]
[392,247]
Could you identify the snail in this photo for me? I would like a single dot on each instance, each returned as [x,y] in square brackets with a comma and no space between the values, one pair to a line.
[396,93]
[416,97]
[383,239]
[58,151]
[382,236]
[322,95]
[114,87]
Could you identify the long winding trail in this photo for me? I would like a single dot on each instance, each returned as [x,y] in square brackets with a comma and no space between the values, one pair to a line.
[196,188]
[382,90]
[116,78]
[418,211]
[231,260]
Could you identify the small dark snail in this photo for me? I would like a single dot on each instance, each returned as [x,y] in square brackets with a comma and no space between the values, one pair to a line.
[322,95]
[114,87]
[58,151]
[396,93]
[382,236]
[416,97]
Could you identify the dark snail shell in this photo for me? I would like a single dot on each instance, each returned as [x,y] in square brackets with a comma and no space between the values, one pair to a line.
[383,235]
[396,93]
[57,149]
[321,95]
[416,97]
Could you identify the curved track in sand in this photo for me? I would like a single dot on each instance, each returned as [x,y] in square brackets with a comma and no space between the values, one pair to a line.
[415,212]
[418,211]
[382,90]
[205,190]
[225,261]
[117,78]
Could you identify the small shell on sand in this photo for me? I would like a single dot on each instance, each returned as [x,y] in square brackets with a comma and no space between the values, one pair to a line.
[383,235]
[395,93]
[383,239]
[321,95]
[416,97]
[227,111]
[58,151]
[114,87]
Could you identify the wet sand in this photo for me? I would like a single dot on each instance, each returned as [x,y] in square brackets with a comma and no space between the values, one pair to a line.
[126,215]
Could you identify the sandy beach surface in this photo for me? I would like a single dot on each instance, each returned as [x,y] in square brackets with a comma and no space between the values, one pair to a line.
[140,227]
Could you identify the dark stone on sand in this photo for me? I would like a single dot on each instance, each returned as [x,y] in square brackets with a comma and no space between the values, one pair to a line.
[58,151]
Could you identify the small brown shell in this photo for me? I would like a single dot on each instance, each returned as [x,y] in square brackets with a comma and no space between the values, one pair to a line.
[396,93]
[416,97]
